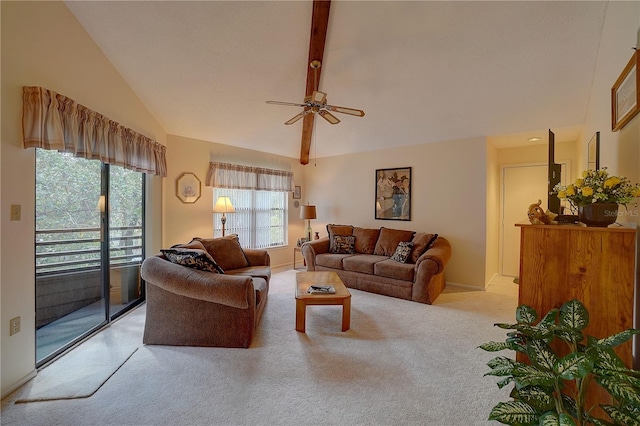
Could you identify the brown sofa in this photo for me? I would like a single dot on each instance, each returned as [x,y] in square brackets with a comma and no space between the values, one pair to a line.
[195,305]
[392,262]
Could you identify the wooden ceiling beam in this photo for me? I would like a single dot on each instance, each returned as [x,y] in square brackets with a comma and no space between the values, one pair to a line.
[319,24]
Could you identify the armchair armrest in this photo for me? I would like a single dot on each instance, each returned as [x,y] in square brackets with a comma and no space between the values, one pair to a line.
[313,248]
[230,290]
[257,257]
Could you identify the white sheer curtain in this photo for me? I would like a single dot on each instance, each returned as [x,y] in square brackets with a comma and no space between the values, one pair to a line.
[225,175]
[53,121]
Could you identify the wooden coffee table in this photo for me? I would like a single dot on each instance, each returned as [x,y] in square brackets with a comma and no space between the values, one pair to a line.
[303,298]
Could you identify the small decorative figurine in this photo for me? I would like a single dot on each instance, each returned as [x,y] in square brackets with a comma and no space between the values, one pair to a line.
[538,217]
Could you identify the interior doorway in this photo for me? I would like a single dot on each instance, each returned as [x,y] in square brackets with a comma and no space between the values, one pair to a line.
[522,185]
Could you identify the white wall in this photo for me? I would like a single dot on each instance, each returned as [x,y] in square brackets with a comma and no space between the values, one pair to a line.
[619,151]
[44,45]
[185,221]
[448,197]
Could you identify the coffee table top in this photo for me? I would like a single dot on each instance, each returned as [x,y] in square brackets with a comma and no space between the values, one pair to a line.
[306,279]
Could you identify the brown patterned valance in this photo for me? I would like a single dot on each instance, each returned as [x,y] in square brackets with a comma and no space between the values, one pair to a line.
[225,175]
[53,121]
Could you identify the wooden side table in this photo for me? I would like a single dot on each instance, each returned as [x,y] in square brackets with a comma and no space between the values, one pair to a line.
[298,250]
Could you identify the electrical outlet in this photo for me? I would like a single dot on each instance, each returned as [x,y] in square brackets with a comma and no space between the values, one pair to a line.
[16,211]
[14,326]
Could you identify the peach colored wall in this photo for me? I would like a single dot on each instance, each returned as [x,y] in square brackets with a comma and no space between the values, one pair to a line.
[44,45]
[492,261]
[448,197]
[185,221]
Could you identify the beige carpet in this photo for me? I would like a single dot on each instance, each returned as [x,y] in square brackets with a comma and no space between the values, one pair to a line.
[401,363]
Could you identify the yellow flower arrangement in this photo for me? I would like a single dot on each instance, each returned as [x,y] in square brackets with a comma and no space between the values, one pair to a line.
[596,186]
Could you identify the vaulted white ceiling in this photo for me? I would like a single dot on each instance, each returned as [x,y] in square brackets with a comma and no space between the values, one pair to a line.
[423,71]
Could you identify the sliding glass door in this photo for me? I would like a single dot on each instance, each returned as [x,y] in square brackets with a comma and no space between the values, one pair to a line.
[89,239]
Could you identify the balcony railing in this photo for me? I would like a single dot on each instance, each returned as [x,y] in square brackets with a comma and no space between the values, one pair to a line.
[67,250]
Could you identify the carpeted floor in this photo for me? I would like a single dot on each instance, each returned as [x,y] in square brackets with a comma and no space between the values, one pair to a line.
[401,363]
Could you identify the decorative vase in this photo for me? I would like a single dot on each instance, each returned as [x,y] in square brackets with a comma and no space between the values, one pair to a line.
[317,236]
[598,214]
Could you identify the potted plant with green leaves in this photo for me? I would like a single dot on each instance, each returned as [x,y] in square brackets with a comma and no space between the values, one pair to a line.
[542,393]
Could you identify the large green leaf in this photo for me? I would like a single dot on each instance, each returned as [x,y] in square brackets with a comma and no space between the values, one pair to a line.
[620,416]
[504,382]
[536,396]
[514,413]
[501,361]
[606,358]
[620,389]
[574,315]
[495,346]
[617,339]
[526,314]
[541,354]
[568,334]
[553,419]
[575,365]
[549,319]
[528,375]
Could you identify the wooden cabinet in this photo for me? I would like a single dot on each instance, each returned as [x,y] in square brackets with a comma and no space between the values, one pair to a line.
[594,265]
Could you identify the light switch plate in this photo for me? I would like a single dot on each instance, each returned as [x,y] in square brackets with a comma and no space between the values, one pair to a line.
[16,211]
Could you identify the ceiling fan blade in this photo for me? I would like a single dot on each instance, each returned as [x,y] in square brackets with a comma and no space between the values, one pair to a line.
[329,117]
[296,118]
[345,110]
[319,97]
[285,103]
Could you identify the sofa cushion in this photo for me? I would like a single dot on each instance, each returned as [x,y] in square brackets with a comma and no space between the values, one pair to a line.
[365,239]
[343,244]
[331,260]
[333,230]
[260,286]
[362,263]
[192,258]
[226,251]
[253,271]
[389,239]
[403,252]
[392,269]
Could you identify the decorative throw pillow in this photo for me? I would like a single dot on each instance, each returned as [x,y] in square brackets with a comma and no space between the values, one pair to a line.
[389,239]
[192,258]
[193,244]
[343,244]
[403,251]
[421,243]
[365,239]
[334,230]
[226,251]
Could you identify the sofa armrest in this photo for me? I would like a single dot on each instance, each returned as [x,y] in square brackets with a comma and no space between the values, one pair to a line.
[439,253]
[229,290]
[313,248]
[257,257]
[429,273]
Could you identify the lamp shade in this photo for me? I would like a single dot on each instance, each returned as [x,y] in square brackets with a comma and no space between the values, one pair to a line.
[307,212]
[223,205]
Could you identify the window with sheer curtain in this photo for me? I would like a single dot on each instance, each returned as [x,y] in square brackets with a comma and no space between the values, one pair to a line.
[260,199]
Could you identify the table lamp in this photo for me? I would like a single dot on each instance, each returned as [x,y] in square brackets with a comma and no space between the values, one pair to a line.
[224,206]
[308,212]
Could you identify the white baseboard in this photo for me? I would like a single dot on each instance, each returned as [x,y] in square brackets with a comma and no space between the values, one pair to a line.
[466,286]
[19,383]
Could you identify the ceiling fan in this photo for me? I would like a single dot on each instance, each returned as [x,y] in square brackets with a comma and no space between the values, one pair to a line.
[317,103]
